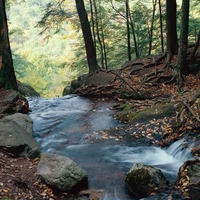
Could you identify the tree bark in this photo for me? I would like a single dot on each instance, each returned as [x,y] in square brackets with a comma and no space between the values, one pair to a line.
[98,34]
[171,32]
[103,40]
[181,64]
[7,74]
[161,27]
[87,35]
[134,36]
[92,23]
[152,26]
[128,30]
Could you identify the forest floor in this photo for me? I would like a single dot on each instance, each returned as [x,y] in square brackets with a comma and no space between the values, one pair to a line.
[151,84]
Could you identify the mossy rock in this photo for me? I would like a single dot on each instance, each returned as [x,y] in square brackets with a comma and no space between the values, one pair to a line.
[127,114]
[132,95]
[161,110]
[143,180]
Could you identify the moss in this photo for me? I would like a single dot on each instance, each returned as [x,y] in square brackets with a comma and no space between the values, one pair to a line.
[132,95]
[126,113]
[138,182]
[125,106]
[142,174]
[156,111]
[6,198]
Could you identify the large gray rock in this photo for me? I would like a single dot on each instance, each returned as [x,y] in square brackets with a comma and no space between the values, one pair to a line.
[17,140]
[23,120]
[61,172]
[26,89]
[143,180]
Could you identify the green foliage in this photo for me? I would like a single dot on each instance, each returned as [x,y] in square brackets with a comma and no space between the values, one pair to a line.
[43,61]
[47,43]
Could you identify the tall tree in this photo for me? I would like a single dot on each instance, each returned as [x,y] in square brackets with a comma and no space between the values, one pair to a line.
[161,26]
[87,35]
[7,74]
[103,38]
[134,35]
[98,34]
[171,31]
[152,26]
[128,30]
[181,64]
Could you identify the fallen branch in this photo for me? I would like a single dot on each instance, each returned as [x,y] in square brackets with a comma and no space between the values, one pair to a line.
[191,111]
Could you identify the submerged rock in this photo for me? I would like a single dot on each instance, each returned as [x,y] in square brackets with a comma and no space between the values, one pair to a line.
[61,172]
[143,180]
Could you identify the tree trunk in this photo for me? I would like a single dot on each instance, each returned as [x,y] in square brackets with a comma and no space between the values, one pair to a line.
[171,32]
[87,35]
[92,21]
[98,34]
[7,74]
[181,64]
[152,26]
[161,27]
[103,40]
[128,30]
[134,36]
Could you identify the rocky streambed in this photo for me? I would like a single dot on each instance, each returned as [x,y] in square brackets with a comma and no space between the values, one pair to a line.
[84,132]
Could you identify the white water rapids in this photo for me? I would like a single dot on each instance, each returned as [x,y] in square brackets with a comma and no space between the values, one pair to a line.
[60,125]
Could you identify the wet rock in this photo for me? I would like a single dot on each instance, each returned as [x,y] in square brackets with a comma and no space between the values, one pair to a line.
[11,102]
[99,78]
[23,120]
[188,179]
[128,115]
[67,90]
[26,89]
[143,180]
[61,172]
[92,194]
[15,139]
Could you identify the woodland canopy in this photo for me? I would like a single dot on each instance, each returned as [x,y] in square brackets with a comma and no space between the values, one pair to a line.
[47,44]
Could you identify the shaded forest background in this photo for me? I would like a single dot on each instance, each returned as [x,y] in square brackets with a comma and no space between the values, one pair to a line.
[48,48]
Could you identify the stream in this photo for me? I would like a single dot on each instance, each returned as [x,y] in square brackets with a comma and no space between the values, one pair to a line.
[60,125]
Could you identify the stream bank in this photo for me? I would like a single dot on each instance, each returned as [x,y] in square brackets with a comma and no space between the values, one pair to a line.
[85,131]
[114,147]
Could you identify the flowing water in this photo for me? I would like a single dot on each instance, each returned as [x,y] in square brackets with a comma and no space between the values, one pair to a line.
[60,125]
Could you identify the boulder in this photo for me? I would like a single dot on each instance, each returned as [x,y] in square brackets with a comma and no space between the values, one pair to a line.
[26,89]
[23,120]
[67,90]
[143,180]
[61,173]
[11,102]
[16,140]
[99,78]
